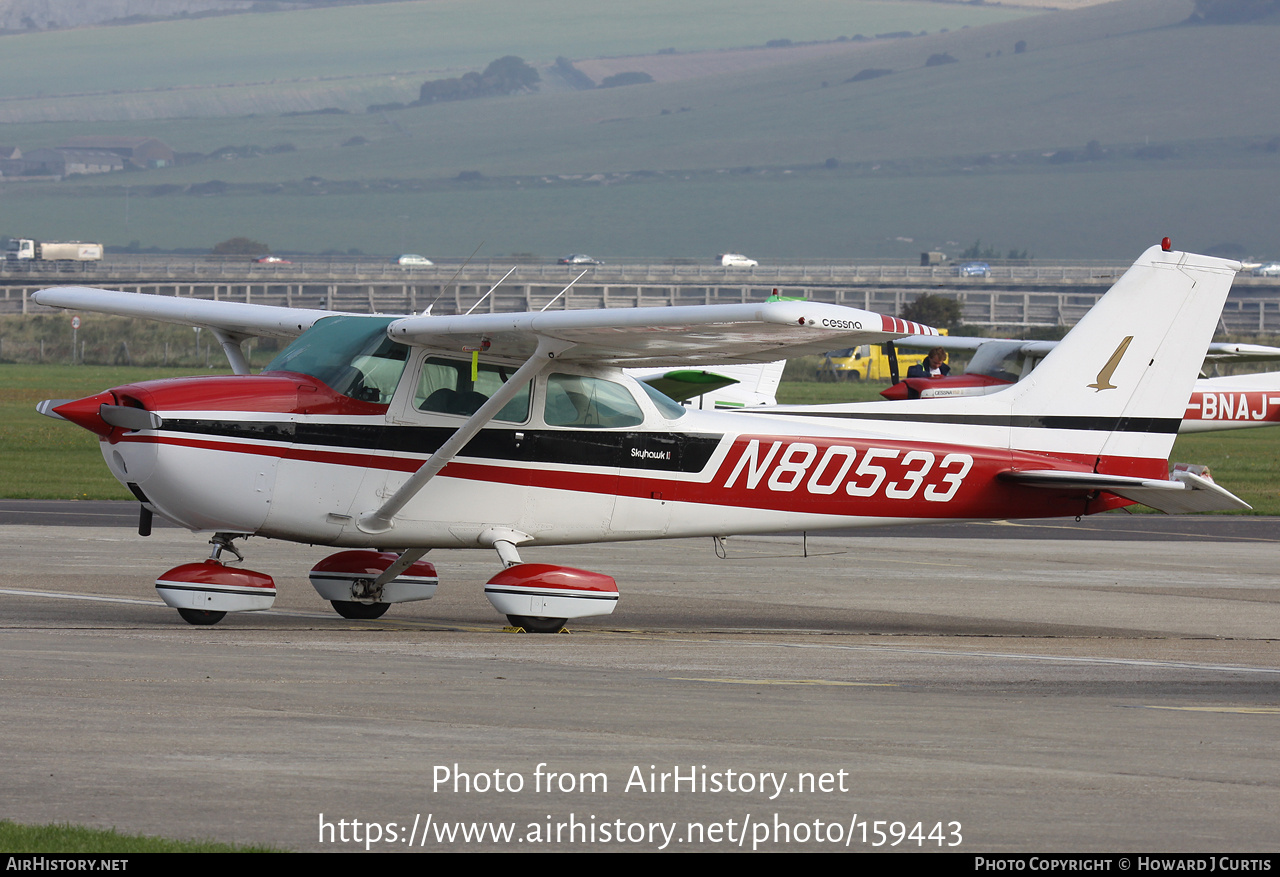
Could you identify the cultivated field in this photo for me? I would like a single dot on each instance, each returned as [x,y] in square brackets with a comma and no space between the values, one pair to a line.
[1101,211]
[1115,126]
[355,55]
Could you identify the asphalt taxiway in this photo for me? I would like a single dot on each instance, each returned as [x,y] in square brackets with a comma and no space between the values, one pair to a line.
[1044,692]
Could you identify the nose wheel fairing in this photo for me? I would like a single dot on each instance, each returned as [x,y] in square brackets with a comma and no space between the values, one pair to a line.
[211,587]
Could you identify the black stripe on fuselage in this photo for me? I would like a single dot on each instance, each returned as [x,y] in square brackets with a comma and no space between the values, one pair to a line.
[664,452]
[1166,425]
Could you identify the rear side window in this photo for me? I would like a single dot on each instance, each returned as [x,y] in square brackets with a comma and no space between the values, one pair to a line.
[592,403]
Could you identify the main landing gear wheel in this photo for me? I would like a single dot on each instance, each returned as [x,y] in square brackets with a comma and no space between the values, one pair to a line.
[364,611]
[201,616]
[537,625]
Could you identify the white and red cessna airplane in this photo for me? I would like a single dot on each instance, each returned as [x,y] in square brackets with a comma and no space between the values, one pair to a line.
[391,436]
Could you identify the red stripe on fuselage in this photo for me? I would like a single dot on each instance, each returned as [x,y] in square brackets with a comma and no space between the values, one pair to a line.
[811,475]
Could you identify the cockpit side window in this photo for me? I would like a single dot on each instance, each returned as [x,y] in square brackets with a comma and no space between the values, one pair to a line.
[351,355]
[591,403]
[445,387]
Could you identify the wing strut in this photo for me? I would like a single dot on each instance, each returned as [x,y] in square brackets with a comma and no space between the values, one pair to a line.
[381,520]
[232,346]
[406,559]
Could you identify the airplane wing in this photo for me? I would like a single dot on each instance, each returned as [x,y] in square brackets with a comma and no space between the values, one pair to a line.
[663,336]
[1219,351]
[946,342]
[1228,352]
[230,317]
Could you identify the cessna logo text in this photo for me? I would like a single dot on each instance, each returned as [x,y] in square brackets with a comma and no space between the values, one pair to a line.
[842,324]
[890,472]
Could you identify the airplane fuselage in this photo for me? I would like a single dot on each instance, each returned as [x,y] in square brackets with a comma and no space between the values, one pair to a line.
[1233,403]
[282,455]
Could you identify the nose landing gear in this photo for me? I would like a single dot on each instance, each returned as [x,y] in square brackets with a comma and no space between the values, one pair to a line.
[204,592]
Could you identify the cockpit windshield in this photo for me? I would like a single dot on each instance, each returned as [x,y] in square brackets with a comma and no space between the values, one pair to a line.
[352,355]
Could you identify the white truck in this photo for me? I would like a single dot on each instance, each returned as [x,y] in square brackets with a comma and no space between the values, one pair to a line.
[27,250]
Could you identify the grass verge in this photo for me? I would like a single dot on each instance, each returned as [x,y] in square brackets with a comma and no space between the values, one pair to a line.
[42,458]
[66,838]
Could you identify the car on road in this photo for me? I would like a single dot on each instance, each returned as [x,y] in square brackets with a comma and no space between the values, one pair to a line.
[579,259]
[413,259]
[735,260]
[1268,269]
[974,269]
[272,260]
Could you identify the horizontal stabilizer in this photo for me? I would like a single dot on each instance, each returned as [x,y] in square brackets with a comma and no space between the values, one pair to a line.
[1182,493]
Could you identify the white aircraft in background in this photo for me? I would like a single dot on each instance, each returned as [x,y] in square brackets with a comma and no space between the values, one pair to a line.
[717,387]
[1230,402]
[388,437]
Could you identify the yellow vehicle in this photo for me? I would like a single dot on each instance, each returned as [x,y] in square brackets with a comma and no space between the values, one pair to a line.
[866,363]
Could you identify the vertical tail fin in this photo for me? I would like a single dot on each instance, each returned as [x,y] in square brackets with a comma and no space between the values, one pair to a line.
[1125,372]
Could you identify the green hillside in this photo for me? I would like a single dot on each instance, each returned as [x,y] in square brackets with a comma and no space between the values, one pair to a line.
[1115,126]
[350,56]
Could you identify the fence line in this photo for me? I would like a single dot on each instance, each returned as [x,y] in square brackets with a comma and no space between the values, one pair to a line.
[1252,308]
